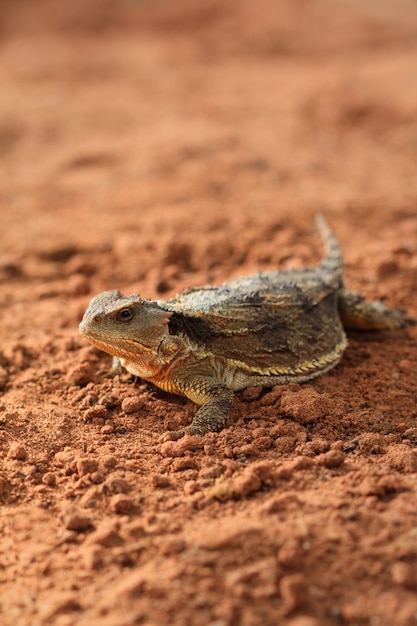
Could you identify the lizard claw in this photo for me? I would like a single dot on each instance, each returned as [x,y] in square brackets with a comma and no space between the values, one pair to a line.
[172,435]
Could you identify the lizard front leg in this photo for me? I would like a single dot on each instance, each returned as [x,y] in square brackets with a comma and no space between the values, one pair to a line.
[216,400]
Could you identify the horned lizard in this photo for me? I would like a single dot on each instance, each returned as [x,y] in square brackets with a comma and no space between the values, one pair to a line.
[267,329]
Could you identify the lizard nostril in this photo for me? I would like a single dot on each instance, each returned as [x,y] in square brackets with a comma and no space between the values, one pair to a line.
[97,319]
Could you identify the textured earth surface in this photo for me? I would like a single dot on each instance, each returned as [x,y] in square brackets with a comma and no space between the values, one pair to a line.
[148,146]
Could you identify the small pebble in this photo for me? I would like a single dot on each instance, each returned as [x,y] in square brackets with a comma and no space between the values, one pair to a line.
[160,481]
[78,522]
[117,484]
[86,466]
[17,451]
[49,478]
[190,487]
[81,375]
[97,412]
[106,535]
[290,553]
[133,404]
[332,458]
[108,429]
[121,504]
[97,478]
[305,405]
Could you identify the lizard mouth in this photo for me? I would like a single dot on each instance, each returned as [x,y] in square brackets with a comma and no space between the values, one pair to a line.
[121,348]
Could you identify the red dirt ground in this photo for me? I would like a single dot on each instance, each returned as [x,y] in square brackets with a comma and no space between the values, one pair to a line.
[150,146]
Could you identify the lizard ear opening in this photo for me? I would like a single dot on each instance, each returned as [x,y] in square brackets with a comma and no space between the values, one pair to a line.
[150,319]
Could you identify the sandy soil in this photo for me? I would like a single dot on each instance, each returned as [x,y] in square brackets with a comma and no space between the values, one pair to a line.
[150,146]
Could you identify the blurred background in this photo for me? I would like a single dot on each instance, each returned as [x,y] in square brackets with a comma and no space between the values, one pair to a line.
[141,125]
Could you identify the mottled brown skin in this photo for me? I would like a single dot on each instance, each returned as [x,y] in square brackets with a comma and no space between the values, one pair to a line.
[267,329]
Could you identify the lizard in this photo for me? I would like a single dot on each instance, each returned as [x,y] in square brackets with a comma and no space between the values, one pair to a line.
[270,328]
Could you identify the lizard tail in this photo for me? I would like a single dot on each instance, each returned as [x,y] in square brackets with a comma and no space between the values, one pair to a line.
[332,264]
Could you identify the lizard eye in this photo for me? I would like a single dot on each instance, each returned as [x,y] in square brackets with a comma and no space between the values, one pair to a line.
[124,315]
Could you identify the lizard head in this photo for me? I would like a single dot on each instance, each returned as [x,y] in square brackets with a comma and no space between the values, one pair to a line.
[125,326]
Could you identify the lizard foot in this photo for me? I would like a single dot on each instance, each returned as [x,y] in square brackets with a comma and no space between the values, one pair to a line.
[210,417]
[174,435]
